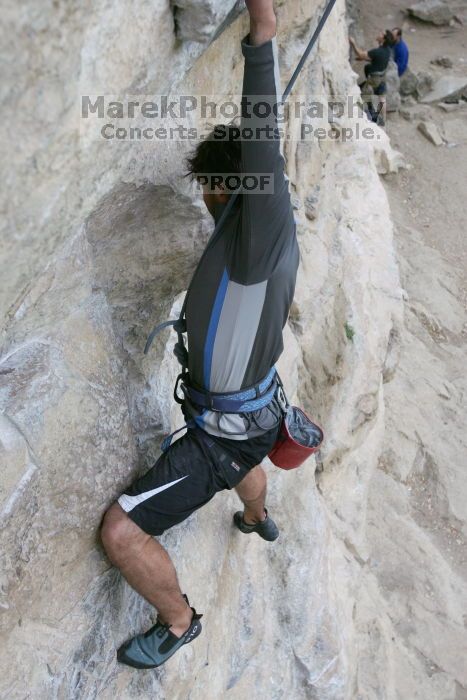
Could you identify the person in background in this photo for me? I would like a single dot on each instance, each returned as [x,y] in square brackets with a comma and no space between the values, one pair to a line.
[375,72]
[401,51]
[378,58]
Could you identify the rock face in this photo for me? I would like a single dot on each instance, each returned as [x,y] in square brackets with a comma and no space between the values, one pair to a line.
[455,130]
[103,236]
[393,97]
[417,505]
[450,88]
[443,61]
[408,83]
[431,132]
[195,22]
[433,11]
[424,84]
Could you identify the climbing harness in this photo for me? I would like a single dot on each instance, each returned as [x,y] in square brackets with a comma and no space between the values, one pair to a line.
[245,401]
[256,397]
[372,82]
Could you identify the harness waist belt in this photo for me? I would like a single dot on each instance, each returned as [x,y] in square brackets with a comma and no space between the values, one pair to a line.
[245,401]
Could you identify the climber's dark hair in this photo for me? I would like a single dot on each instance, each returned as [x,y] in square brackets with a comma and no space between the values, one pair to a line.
[398,30]
[219,152]
[388,38]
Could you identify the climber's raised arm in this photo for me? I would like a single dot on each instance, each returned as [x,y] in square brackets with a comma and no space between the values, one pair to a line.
[265,214]
[360,54]
[261,91]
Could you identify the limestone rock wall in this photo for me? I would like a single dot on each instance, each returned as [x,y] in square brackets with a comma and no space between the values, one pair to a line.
[99,244]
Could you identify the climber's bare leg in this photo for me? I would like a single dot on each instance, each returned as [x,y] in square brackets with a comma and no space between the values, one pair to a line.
[252,492]
[146,566]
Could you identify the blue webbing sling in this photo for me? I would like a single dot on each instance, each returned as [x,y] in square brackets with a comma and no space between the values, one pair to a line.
[260,395]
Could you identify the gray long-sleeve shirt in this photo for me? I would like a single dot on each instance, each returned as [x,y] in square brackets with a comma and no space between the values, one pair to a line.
[241,294]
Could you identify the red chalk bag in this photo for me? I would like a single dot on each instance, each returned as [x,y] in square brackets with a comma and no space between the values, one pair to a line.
[298,439]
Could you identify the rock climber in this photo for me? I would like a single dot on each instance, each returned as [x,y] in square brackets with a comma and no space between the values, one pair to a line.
[400,51]
[375,72]
[237,306]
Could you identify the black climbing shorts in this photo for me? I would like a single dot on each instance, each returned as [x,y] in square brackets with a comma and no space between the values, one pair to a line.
[187,476]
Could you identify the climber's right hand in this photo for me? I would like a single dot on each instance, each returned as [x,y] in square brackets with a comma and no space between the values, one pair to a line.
[262,21]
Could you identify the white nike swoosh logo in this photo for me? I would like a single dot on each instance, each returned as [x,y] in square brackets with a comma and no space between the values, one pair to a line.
[130,502]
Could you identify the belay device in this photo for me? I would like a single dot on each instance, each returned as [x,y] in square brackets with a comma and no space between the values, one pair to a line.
[299,436]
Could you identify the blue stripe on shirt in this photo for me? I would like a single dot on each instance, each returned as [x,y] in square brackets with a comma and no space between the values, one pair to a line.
[212,329]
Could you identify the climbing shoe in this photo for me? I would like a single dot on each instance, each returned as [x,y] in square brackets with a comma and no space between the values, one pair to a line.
[267,528]
[158,644]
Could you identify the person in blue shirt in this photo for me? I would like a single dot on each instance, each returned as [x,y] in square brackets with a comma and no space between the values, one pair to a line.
[375,71]
[401,51]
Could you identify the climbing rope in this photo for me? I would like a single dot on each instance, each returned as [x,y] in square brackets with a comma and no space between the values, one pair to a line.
[308,49]
[180,323]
